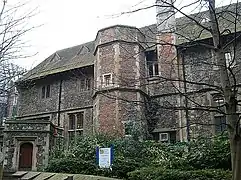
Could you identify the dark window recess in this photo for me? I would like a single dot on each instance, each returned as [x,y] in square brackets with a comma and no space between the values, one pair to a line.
[152,64]
[156,69]
[128,128]
[76,120]
[88,84]
[45,92]
[85,84]
[107,79]
[48,91]
[71,121]
[220,124]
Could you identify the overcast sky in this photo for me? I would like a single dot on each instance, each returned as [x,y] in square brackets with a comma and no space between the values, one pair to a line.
[71,22]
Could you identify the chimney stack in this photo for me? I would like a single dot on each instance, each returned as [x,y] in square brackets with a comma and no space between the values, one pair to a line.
[165,16]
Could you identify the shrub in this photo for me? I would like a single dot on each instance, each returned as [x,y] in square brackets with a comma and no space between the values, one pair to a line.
[175,174]
[130,155]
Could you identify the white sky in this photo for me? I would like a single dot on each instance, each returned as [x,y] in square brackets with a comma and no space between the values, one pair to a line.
[71,22]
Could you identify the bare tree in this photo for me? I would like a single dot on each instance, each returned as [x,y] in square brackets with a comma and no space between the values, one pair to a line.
[199,59]
[14,19]
[14,24]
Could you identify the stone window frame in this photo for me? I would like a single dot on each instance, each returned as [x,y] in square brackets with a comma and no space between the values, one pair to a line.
[104,82]
[125,124]
[152,64]
[46,91]
[85,84]
[75,130]
[167,137]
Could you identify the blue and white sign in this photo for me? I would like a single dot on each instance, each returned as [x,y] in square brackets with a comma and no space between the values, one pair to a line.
[104,157]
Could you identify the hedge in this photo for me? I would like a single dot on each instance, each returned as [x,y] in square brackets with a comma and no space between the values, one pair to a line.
[158,173]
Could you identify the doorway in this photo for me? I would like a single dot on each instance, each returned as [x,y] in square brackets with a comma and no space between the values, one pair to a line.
[26,156]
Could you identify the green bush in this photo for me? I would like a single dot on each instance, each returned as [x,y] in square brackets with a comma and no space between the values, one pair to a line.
[152,173]
[130,155]
[211,153]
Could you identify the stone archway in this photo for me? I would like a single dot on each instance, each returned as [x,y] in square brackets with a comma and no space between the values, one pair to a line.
[26,156]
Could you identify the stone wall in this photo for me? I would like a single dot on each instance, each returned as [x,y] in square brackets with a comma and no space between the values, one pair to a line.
[120,54]
[38,132]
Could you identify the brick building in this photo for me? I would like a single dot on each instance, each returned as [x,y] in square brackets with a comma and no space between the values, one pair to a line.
[119,84]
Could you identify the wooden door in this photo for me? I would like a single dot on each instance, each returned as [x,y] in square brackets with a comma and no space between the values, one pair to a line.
[25,156]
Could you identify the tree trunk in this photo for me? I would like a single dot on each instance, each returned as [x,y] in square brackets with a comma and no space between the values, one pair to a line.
[236,158]
[229,93]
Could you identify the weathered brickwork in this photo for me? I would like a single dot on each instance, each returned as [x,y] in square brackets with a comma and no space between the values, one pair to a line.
[119,54]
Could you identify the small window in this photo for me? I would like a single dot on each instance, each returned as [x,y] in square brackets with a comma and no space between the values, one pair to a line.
[128,126]
[48,91]
[88,84]
[164,137]
[82,85]
[220,124]
[219,101]
[45,91]
[152,63]
[71,121]
[229,59]
[107,80]
[85,84]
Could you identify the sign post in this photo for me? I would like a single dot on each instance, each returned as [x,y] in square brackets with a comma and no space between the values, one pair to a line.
[104,157]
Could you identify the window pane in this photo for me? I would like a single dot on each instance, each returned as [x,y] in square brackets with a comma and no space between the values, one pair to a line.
[150,67]
[79,132]
[48,91]
[88,84]
[107,79]
[80,119]
[71,121]
[228,58]
[156,69]
[220,124]
[43,92]
[82,85]
[71,135]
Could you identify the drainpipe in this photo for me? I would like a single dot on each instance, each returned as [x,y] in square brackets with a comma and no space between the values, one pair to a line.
[185,98]
[59,104]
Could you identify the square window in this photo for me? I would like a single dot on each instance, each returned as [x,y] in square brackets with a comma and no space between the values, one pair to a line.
[107,80]
[164,137]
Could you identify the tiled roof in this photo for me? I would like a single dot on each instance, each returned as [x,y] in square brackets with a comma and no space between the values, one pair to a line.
[63,60]
[186,30]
